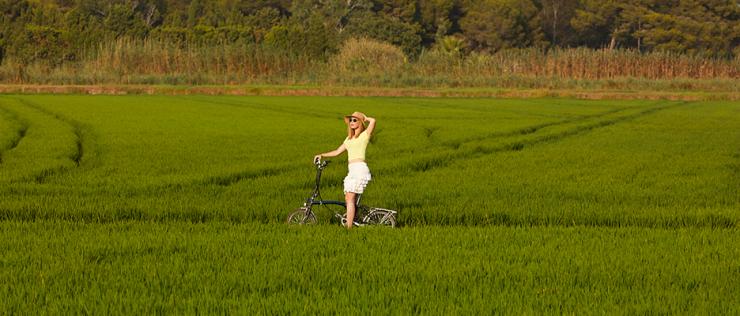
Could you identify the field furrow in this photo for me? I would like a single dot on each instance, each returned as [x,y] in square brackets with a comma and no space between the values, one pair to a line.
[76,128]
[48,146]
[12,131]
[472,148]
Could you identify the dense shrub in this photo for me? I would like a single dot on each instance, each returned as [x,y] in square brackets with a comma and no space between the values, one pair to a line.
[365,55]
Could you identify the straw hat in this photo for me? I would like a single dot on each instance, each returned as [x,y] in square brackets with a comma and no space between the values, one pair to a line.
[357,115]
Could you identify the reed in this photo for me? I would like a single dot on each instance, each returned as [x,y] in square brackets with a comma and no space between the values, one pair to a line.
[579,63]
[364,62]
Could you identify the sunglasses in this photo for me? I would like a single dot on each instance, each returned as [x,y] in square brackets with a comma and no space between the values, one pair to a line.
[353,119]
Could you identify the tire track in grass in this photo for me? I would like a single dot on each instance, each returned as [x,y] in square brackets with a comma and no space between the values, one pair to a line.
[236,177]
[82,135]
[455,144]
[229,179]
[441,161]
[20,132]
[47,145]
[233,178]
[76,127]
[437,104]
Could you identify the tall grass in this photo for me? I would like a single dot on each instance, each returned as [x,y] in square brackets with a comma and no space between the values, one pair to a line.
[364,62]
[128,61]
[131,61]
[184,268]
[437,161]
[581,63]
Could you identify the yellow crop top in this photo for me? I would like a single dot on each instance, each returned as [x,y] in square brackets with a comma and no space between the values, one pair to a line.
[356,146]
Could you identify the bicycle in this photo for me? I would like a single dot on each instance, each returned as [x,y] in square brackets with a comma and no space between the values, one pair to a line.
[364,215]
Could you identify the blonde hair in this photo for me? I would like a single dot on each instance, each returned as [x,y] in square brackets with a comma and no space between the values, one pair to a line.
[351,133]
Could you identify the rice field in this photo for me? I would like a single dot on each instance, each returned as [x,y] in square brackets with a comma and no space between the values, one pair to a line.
[176,204]
[218,268]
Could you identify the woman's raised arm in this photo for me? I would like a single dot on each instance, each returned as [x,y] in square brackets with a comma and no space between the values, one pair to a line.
[370,125]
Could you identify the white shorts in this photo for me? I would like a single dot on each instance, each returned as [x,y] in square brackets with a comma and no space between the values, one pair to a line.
[357,178]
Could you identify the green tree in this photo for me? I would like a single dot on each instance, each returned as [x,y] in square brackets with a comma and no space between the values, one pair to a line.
[594,22]
[492,25]
[708,27]
[320,38]
[387,29]
[403,10]
[248,7]
[265,18]
[555,17]
[85,25]
[438,18]
[612,23]
[151,12]
[196,11]
[40,43]
[121,20]
[336,14]
[283,38]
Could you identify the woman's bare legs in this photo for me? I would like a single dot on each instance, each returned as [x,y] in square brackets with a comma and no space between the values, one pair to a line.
[349,197]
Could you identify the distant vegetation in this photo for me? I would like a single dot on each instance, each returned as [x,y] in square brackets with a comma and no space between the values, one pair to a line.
[420,42]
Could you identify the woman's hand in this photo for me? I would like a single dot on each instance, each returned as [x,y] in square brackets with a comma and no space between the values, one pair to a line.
[317,158]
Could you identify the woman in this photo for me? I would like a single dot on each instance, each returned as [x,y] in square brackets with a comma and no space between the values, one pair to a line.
[355,144]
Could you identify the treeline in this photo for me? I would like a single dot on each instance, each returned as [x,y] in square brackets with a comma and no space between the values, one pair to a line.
[59,31]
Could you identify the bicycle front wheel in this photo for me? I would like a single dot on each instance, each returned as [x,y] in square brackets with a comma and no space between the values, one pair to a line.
[302,216]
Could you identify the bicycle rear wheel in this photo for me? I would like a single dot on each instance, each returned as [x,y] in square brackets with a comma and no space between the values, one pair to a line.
[302,216]
[381,218]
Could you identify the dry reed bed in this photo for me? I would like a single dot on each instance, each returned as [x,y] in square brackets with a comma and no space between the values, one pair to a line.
[366,63]
[361,92]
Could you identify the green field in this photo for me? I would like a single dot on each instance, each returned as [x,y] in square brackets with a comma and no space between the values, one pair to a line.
[141,268]
[146,204]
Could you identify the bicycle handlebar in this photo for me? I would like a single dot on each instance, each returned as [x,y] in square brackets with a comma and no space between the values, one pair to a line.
[321,164]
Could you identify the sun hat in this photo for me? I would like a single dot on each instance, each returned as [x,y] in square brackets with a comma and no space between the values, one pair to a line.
[357,115]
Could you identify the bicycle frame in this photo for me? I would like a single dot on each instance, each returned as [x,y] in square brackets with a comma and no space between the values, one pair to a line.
[312,200]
